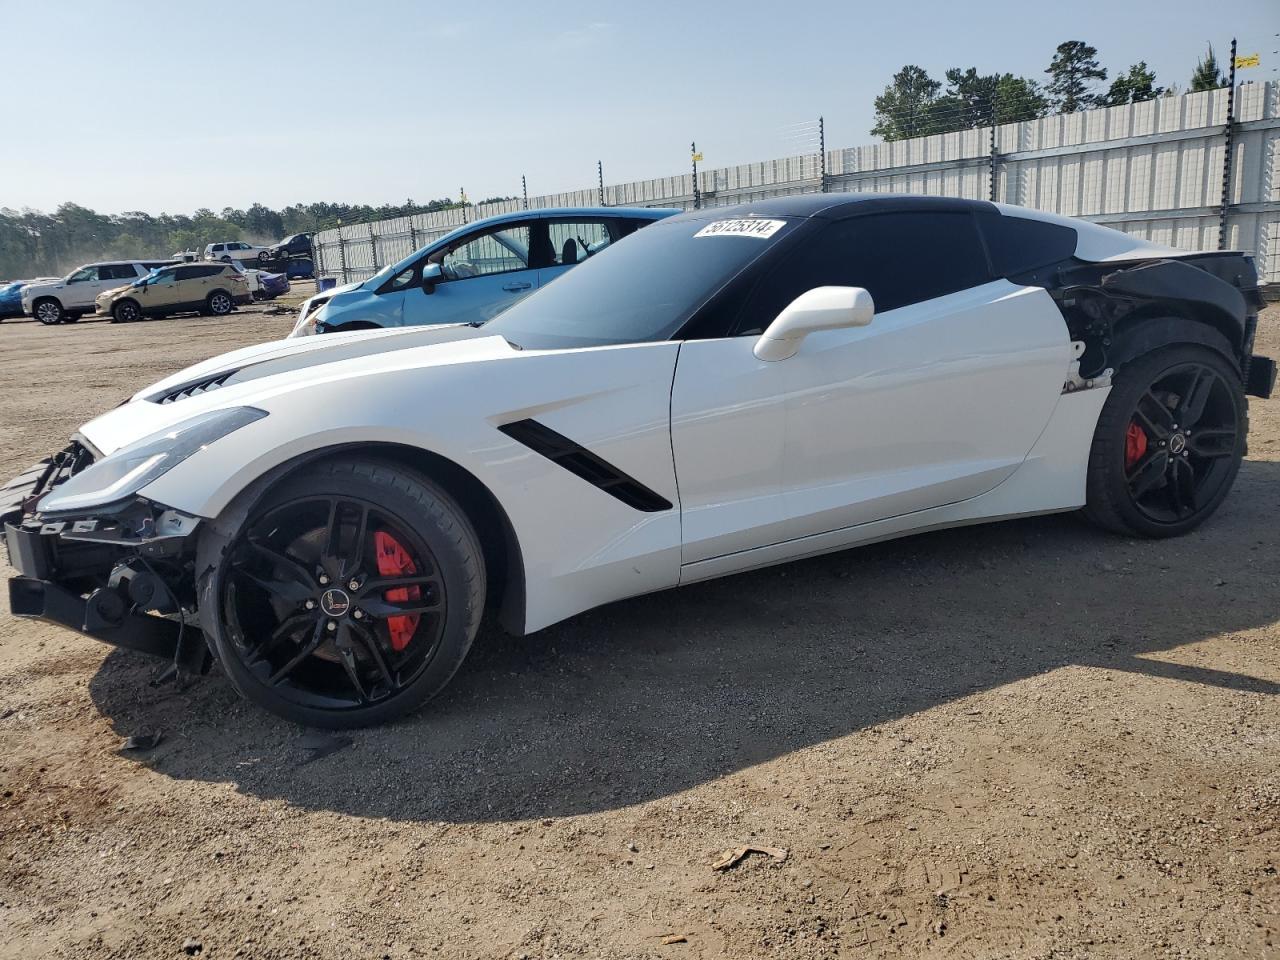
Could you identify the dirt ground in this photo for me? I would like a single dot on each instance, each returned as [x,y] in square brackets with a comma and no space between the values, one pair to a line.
[1026,740]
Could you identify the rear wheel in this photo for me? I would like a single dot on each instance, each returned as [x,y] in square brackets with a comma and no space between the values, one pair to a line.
[1168,444]
[219,303]
[126,311]
[350,596]
[48,311]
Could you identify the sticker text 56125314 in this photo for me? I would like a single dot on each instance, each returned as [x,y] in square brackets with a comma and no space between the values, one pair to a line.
[746,227]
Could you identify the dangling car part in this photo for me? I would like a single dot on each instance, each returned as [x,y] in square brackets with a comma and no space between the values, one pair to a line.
[724,390]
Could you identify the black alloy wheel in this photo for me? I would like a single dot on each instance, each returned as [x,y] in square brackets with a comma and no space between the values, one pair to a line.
[126,311]
[1169,442]
[333,603]
[350,597]
[1180,442]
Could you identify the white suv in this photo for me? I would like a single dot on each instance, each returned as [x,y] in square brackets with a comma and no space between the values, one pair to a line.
[68,299]
[235,250]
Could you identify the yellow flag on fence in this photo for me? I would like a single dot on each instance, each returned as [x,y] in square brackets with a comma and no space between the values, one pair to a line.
[697,158]
[1249,60]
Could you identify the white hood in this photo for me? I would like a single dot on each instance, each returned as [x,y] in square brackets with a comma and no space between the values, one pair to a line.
[272,367]
[280,356]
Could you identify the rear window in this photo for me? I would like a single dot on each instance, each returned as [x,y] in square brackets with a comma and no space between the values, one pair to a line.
[1017,244]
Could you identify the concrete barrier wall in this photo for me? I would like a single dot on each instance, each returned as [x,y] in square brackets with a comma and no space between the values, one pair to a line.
[1153,169]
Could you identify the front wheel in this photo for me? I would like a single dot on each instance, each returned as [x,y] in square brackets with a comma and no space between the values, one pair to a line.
[350,596]
[1168,444]
[126,311]
[219,304]
[49,312]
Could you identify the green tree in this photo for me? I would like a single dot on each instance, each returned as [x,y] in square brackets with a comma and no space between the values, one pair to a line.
[1138,83]
[1072,72]
[1207,75]
[1018,99]
[907,106]
[974,99]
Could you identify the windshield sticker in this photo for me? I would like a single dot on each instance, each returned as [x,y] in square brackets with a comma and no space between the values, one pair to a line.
[761,229]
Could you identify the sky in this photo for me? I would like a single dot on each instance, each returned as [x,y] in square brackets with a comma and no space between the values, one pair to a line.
[168,107]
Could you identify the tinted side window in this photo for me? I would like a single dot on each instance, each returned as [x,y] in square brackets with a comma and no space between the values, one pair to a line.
[117,271]
[188,273]
[1017,244]
[572,241]
[901,258]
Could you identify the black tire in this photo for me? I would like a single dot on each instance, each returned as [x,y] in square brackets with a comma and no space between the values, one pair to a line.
[433,529]
[264,257]
[126,311]
[1168,443]
[72,318]
[219,303]
[48,311]
[225,259]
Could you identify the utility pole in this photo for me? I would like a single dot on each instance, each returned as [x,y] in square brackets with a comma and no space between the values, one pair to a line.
[993,174]
[600,180]
[1226,150]
[822,153]
[524,191]
[697,196]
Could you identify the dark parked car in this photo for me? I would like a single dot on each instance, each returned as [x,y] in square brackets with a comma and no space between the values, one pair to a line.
[300,269]
[298,245]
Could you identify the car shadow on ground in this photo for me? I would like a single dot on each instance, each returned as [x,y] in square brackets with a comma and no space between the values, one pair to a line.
[649,697]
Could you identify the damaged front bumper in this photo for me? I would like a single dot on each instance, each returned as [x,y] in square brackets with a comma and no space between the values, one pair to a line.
[122,577]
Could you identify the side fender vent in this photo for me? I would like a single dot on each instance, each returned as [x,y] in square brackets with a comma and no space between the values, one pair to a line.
[581,462]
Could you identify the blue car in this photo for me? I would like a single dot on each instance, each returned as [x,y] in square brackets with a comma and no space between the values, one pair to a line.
[473,273]
[11,297]
[299,269]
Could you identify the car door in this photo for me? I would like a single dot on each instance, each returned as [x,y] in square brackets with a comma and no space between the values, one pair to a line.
[82,288]
[162,291]
[938,400]
[482,274]
[191,285]
[571,240]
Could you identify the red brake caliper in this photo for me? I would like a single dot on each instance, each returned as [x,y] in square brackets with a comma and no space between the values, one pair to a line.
[394,561]
[1135,444]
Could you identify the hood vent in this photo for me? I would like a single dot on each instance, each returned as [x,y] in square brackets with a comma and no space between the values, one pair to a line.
[194,388]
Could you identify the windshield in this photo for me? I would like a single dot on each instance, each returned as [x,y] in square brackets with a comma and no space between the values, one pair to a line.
[641,289]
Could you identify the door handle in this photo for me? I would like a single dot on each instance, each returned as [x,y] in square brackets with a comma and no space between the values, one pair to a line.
[516,285]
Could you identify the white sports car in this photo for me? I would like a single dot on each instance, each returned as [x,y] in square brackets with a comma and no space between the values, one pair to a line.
[726,389]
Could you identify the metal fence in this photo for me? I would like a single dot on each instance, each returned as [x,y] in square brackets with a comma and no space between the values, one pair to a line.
[1157,169]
